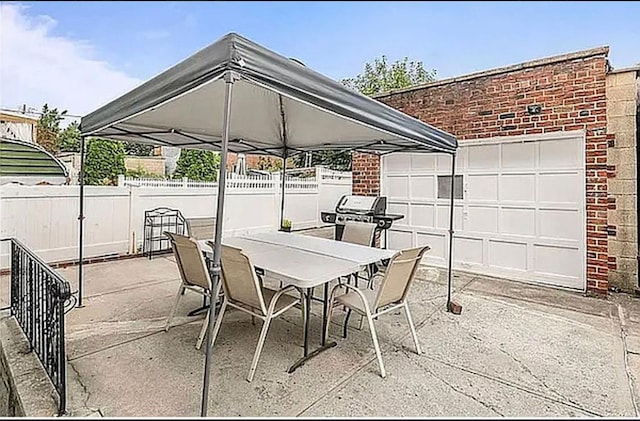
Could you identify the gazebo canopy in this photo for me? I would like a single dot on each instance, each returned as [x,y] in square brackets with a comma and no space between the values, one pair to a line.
[279,107]
[236,96]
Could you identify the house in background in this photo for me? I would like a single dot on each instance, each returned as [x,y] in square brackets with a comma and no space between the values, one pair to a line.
[18,126]
[547,166]
[28,164]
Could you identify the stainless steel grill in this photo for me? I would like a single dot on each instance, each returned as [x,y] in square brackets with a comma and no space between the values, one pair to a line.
[363,209]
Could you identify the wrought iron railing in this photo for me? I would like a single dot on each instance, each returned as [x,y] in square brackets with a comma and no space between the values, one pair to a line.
[39,299]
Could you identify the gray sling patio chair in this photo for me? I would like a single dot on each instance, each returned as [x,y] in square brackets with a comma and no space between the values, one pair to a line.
[362,233]
[201,228]
[389,296]
[193,272]
[242,291]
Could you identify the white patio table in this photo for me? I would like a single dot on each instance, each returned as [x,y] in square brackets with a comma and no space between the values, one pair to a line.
[305,262]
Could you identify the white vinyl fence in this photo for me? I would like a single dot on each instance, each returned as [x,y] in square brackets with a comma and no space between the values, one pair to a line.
[45,218]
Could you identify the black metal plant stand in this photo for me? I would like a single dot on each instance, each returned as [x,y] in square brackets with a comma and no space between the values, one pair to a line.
[156,222]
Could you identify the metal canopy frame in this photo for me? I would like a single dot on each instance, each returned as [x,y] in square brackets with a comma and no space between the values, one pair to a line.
[225,144]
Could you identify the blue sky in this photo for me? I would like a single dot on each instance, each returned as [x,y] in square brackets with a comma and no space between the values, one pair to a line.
[137,40]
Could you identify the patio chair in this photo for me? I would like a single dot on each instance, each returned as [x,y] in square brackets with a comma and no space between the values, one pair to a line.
[201,228]
[242,291]
[193,272]
[361,233]
[390,295]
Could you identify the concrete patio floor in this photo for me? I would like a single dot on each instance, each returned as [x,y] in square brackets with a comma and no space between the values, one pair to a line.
[516,350]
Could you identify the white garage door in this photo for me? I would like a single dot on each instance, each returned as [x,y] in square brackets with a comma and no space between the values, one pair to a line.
[521,215]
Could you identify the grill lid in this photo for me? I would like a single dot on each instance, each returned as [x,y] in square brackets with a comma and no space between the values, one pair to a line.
[358,204]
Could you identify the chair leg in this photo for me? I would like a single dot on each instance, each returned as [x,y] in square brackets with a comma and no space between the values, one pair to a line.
[256,356]
[203,331]
[330,312]
[376,345]
[181,290]
[216,328]
[412,327]
[346,323]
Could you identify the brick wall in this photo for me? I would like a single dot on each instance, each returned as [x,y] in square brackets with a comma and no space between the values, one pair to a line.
[366,174]
[150,164]
[571,90]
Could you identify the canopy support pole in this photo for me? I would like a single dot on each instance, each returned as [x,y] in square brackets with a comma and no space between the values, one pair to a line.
[284,168]
[451,306]
[81,220]
[284,157]
[217,250]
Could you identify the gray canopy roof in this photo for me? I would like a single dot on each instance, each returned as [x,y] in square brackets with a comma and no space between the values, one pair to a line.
[277,105]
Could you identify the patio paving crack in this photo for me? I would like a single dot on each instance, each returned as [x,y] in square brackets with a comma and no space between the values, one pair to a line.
[625,350]
[528,370]
[503,382]
[129,288]
[86,395]
[460,391]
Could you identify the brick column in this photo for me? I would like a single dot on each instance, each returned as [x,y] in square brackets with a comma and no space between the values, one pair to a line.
[366,174]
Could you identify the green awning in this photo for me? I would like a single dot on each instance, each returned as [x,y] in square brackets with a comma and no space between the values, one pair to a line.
[19,158]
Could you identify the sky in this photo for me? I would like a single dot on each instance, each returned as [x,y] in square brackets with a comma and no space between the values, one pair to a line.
[80,55]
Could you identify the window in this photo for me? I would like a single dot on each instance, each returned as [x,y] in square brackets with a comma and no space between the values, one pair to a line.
[444,187]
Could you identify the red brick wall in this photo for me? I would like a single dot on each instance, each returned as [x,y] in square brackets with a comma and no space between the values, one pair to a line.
[366,174]
[572,95]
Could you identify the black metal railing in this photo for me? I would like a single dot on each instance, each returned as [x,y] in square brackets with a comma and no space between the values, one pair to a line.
[39,297]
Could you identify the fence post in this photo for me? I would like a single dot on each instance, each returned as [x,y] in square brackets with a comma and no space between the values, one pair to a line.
[120,180]
[184,181]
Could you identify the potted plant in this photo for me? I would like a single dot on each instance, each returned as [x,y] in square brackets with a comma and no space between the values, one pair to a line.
[286,225]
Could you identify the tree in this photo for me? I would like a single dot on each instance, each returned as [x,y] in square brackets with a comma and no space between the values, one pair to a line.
[69,138]
[197,164]
[377,77]
[48,128]
[104,161]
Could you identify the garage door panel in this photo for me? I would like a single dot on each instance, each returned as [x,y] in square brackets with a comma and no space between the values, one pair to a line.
[517,187]
[423,187]
[519,155]
[482,219]
[518,221]
[398,187]
[468,250]
[508,255]
[566,153]
[563,224]
[423,216]
[437,242]
[553,260]
[483,157]
[423,162]
[442,213]
[399,209]
[397,163]
[399,240]
[482,187]
[560,188]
